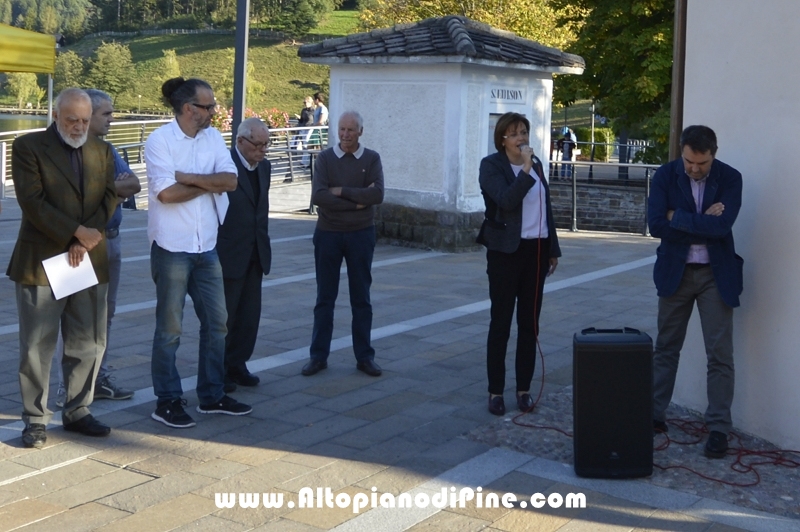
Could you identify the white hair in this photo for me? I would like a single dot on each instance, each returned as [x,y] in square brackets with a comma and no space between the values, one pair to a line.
[247,126]
[67,95]
[356,115]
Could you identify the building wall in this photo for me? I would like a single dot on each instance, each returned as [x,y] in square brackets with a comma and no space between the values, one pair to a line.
[742,75]
[431,124]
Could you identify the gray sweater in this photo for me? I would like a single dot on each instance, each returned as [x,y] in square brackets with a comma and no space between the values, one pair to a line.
[353,210]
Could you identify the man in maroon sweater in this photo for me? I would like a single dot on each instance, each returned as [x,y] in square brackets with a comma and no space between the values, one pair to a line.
[348,181]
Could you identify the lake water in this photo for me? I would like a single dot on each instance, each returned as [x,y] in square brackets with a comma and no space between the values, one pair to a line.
[9,122]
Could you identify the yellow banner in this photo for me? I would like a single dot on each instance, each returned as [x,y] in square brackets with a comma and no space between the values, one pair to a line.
[26,51]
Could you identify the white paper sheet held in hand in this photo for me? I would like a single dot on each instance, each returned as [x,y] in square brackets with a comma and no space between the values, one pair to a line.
[66,280]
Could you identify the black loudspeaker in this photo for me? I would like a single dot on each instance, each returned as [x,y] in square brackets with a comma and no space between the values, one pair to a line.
[612,386]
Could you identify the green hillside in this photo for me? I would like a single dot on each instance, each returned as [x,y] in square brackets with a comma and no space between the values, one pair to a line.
[285,79]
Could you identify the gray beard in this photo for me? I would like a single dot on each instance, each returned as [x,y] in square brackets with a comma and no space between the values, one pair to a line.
[71,142]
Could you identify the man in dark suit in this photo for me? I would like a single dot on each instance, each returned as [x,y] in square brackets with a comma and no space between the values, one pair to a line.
[693,204]
[244,250]
[64,179]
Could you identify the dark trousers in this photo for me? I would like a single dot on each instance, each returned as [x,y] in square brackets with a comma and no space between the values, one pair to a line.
[243,302]
[515,278]
[356,248]
[716,320]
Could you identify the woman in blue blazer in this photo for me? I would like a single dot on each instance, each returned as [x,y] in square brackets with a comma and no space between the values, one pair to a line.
[521,251]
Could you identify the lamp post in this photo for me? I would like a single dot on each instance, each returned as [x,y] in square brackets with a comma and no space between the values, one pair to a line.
[139,109]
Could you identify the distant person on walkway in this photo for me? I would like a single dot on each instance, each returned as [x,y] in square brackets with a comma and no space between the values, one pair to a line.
[189,169]
[320,111]
[306,116]
[694,202]
[305,119]
[348,181]
[127,184]
[64,179]
[320,119]
[566,144]
[521,251]
[244,250]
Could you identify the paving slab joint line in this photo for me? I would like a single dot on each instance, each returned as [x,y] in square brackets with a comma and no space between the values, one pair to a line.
[125,468]
[44,470]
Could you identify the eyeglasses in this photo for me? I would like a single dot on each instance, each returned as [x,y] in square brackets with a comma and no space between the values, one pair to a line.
[516,135]
[259,145]
[208,108]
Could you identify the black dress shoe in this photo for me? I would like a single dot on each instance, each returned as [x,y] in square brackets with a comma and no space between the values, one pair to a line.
[314,367]
[497,406]
[243,378]
[34,436]
[228,386]
[659,427]
[369,367]
[525,402]
[717,445]
[88,426]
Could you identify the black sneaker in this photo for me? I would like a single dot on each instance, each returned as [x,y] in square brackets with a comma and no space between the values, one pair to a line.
[173,415]
[717,445]
[227,405]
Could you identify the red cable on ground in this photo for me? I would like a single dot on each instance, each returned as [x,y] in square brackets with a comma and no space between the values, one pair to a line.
[696,430]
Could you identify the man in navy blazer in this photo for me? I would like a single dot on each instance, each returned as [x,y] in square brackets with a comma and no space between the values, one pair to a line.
[244,249]
[694,202]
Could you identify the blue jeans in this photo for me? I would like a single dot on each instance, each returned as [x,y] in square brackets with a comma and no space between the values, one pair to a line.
[566,169]
[356,248]
[199,275]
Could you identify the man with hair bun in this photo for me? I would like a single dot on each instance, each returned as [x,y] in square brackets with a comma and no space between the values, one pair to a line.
[189,170]
[64,182]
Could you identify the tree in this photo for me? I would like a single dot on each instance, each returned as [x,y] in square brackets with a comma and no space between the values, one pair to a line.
[112,69]
[49,21]
[22,86]
[532,19]
[6,13]
[627,45]
[68,71]
[170,68]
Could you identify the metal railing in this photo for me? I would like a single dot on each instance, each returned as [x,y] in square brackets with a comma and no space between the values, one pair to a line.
[289,162]
[639,179]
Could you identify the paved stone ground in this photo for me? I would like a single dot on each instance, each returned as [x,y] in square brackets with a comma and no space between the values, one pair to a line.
[419,428]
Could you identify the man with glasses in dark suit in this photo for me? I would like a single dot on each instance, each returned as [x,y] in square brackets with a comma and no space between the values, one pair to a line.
[244,250]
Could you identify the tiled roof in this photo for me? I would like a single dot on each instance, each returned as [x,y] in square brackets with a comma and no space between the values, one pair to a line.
[449,37]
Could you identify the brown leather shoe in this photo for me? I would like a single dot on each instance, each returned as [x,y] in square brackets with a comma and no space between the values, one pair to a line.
[525,402]
[497,406]
[717,445]
[314,367]
[369,367]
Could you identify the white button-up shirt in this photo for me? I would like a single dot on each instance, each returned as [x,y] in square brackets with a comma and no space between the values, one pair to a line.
[534,212]
[190,226]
